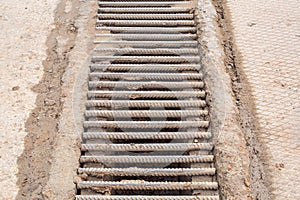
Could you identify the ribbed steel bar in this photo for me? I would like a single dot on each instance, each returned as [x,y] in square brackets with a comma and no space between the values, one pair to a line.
[148,29]
[148,44]
[145,197]
[146,113]
[151,59]
[141,3]
[146,94]
[134,171]
[159,51]
[147,103]
[146,67]
[145,22]
[146,135]
[146,124]
[147,147]
[144,10]
[146,16]
[147,159]
[144,185]
[145,37]
[147,76]
[142,0]
[145,84]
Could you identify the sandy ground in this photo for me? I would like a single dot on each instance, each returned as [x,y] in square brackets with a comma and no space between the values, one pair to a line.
[268,41]
[62,39]
[24,27]
[231,155]
[45,54]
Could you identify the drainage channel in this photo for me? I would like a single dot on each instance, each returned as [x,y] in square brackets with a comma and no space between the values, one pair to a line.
[146,130]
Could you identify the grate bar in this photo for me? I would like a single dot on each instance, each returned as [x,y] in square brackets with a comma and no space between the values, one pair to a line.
[144,185]
[145,22]
[146,124]
[134,171]
[146,94]
[143,113]
[160,51]
[145,16]
[157,68]
[148,44]
[145,37]
[147,76]
[144,10]
[152,59]
[146,135]
[141,3]
[147,147]
[165,30]
[145,197]
[147,103]
[147,159]
[143,84]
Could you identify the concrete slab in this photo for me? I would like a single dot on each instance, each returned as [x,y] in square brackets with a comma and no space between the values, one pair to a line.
[267,35]
[25,26]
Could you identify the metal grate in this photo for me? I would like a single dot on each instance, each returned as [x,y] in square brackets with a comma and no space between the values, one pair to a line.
[146,122]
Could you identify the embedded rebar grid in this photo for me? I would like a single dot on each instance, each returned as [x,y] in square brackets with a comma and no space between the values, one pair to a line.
[146,121]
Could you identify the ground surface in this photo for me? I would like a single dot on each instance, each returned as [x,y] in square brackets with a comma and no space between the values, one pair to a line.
[44,57]
[25,26]
[44,47]
[267,38]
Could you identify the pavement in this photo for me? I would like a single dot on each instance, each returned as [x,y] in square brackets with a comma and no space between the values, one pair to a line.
[25,26]
[267,36]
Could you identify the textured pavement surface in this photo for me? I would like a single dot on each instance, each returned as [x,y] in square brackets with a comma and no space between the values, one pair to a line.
[267,35]
[24,27]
